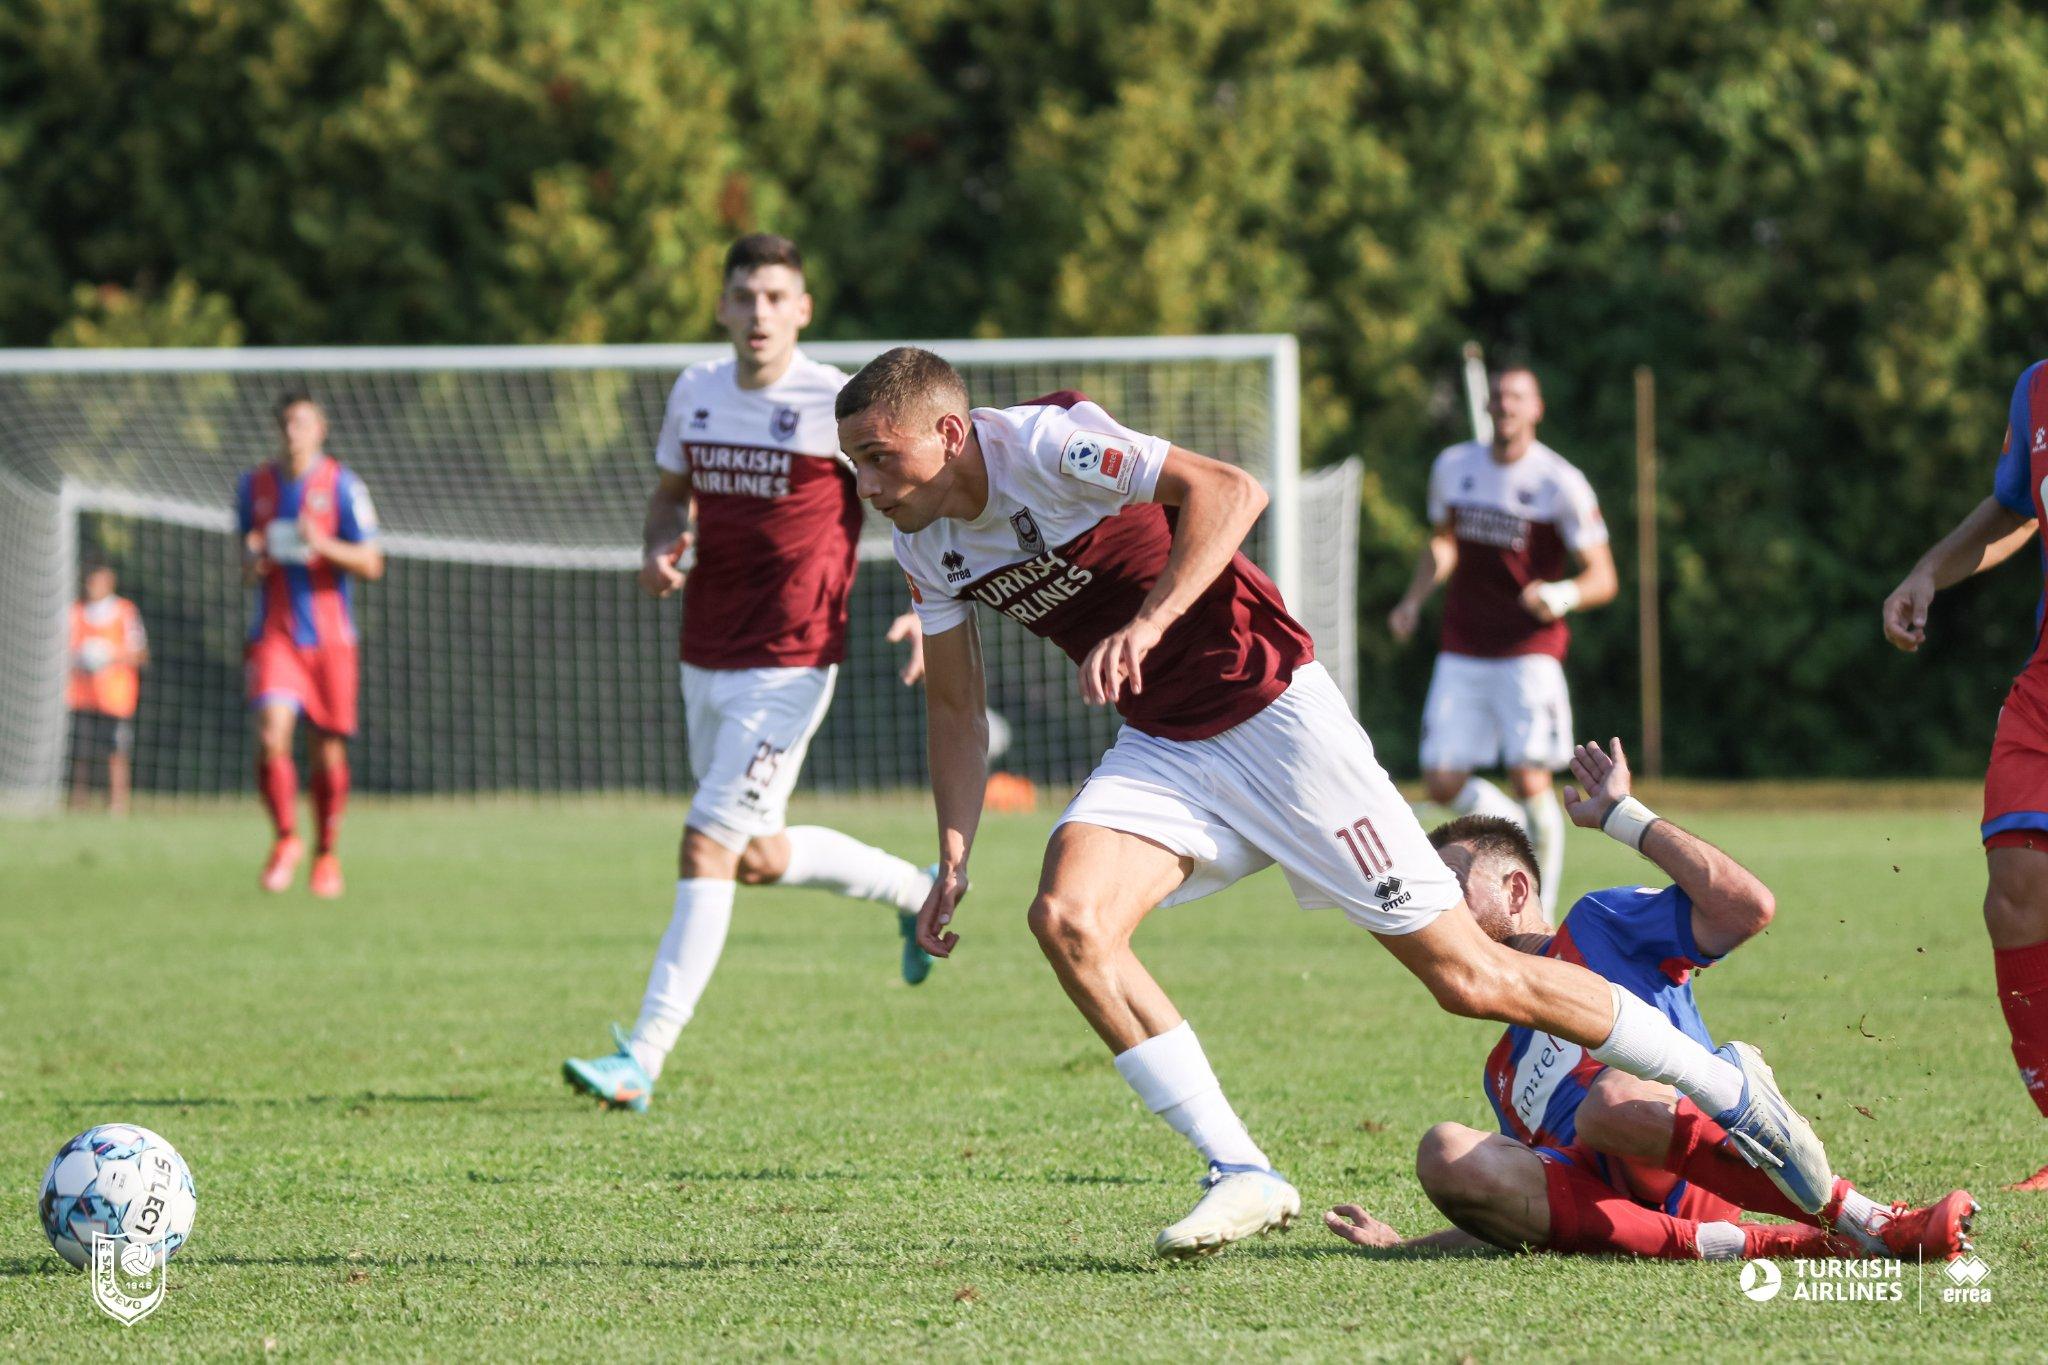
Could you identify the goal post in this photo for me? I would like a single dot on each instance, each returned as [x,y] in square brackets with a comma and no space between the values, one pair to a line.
[507,648]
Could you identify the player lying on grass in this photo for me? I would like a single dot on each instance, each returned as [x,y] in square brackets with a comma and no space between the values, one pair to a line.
[1237,752]
[1589,1159]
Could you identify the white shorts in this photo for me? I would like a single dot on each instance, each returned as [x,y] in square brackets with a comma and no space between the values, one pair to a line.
[1487,713]
[1297,785]
[748,730]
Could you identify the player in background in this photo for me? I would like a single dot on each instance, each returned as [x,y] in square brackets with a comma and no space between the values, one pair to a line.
[308,531]
[2015,829]
[1592,1160]
[753,517]
[109,650]
[1236,752]
[1517,532]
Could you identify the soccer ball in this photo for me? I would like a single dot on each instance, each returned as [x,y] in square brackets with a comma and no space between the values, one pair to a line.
[120,1181]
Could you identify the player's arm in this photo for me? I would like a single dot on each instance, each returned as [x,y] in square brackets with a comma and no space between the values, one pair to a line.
[665,536]
[1594,585]
[1218,503]
[1984,539]
[956,748]
[1433,564]
[364,559]
[1360,1228]
[1730,904]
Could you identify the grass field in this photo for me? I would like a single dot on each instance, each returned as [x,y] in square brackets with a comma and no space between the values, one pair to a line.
[838,1165]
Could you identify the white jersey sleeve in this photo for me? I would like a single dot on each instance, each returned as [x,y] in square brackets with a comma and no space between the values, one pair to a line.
[1579,523]
[1079,459]
[668,445]
[1439,504]
[936,612]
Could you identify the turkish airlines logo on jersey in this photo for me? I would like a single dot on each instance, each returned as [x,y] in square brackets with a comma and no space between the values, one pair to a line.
[1101,460]
[745,471]
[1028,592]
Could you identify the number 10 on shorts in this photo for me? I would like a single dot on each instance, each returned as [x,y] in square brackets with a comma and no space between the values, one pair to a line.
[1366,849]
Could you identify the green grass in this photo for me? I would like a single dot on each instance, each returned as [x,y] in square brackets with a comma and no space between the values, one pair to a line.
[838,1165]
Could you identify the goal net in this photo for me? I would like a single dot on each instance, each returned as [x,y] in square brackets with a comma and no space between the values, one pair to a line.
[507,648]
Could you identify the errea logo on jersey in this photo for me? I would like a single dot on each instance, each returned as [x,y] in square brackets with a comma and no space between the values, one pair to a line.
[1098,459]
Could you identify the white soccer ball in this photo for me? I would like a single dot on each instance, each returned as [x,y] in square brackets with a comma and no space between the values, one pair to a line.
[95,654]
[118,1180]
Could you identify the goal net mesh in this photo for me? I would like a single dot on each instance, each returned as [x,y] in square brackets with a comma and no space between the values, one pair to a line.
[507,649]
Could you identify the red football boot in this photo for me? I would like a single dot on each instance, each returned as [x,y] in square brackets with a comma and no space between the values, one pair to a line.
[283,862]
[1939,1231]
[2033,1184]
[326,880]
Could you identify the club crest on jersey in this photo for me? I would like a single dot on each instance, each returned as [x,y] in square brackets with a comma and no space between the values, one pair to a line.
[1026,527]
[955,565]
[700,419]
[1101,460]
[785,423]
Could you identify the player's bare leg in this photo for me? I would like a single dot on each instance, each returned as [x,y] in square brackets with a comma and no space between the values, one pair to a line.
[120,782]
[1544,819]
[1097,886]
[821,859]
[329,779]
[277,779]
[1461,793]
[1471,975]
[2016,917]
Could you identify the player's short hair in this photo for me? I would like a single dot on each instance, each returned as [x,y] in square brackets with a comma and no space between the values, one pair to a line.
[757,249]
[904,381]
[292,400]
[1490,836]
[1518,367]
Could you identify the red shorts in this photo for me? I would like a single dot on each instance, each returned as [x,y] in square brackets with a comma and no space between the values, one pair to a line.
[319,679]
[1681,1198]
[2016,782]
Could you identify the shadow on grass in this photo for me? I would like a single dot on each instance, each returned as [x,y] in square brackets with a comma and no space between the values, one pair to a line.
[264,1101]
[439,1260]
[12,1267]
[792,1175]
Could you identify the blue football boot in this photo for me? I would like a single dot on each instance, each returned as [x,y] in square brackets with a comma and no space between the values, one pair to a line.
[618,1081]
[1771,1136]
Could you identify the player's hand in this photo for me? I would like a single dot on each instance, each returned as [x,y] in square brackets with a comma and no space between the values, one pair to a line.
[313,538]
[1905,611]
[660,572]
[1118,662]
[1359,1228]
[1533,602]
[1403,619]
[907,627]
[946,894]
[1605,778]
[255,555]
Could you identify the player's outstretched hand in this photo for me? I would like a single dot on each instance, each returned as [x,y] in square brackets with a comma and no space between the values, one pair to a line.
[946,895]
[1118,662]
[907,627]
[1359,1228]
[661,573]
[1402,621]
[1905,611]
[1603,782]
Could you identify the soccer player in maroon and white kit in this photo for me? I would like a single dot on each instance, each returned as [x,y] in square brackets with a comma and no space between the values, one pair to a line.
[748,445]
[1517,532]
[1237,752]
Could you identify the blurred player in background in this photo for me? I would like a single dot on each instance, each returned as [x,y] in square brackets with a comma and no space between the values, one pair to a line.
[109,650]
[1237,752]
[1592,1160]
[308,530]
[754,518]
[1509,522]
[2015,829]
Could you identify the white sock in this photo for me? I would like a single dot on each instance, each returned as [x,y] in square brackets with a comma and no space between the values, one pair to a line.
[1480,797]
[1860,1213]
[1544,819]
[1644,1043]
[1719,1242]
[1172,1077]
[827,860]
[682,968]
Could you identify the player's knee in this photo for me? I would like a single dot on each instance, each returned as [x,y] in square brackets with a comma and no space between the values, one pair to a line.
[1067,929]
[756,867]
[1443,788]
[1451,1162]
[2015,912]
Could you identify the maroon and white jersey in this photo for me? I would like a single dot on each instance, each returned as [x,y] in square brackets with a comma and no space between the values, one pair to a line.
[777,519]
[1069,545]
[1515,525]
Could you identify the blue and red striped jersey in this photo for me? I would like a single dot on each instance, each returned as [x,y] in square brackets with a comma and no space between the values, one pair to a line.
[302,595]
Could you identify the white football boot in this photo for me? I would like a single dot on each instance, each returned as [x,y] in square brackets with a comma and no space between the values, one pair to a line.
[1241,1202]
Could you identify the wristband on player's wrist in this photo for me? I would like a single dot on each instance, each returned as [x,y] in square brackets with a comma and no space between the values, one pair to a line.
[1560,597]
[1629,822]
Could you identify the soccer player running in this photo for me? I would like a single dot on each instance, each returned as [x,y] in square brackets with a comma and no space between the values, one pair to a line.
[308,530]
[1509,524]
[109,650]
[754,518]
[1592,1160]
[1237,752]
[2015,829]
